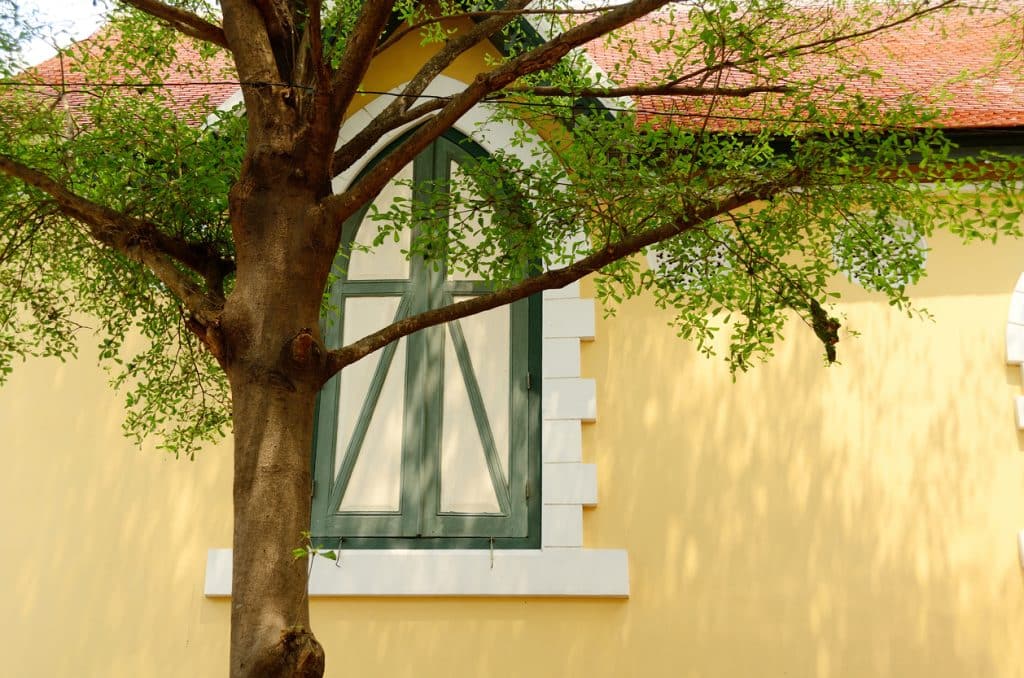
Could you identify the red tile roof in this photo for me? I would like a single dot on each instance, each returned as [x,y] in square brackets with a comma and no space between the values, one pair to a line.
[194,84]
[919,59]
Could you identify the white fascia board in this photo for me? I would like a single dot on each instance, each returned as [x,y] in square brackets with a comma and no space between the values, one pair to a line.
[477,572]
[561,525]
[1015,343]
[572,291]
[1016,314]
[228,104]
[561,440]
[561,357]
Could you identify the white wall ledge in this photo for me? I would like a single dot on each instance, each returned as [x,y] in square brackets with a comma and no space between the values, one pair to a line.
[1015,341]
[558,572]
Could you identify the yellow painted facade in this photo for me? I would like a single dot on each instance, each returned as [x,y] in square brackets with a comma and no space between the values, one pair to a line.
[857,520]
[851,521]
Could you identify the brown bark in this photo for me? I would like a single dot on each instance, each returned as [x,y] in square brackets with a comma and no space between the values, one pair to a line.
[273,399]
[272,351]
[270,632]
[359,52]
[182,20]
[274,359]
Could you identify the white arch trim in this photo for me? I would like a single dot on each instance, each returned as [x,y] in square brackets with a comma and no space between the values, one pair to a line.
[562,566]
[1015,339]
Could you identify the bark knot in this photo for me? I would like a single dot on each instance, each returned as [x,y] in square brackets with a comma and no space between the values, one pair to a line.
[302,652]
[304,348]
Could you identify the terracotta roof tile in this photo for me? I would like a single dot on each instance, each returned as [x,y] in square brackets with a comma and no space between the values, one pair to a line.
[188,82]
[919,60]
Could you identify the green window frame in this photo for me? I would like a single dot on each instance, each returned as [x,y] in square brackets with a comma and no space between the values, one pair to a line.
[419,521]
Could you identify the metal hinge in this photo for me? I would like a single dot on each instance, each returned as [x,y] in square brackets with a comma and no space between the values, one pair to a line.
[529,381]
[312,489]
[527,490]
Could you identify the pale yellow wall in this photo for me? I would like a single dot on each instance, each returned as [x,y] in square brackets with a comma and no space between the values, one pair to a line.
[858,520]
[104,545]
[852,521]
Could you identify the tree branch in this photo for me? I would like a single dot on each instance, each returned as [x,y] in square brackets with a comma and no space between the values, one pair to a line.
[396,113]
[138,240]
[182,21]
[250,46]
[642,90]
[278,20]
[802,48]
[343,205]
[359,51]
[613,251]
[507,11]
[314,30]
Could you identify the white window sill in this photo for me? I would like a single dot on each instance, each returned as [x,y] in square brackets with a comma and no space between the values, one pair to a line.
[564,572]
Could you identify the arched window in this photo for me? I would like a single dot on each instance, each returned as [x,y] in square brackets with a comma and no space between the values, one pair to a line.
[433,441]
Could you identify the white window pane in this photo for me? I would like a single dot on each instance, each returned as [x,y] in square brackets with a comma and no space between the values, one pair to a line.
[487,337]
[477,221]
[385,261]
[362,316]
[376,481]
[465,480]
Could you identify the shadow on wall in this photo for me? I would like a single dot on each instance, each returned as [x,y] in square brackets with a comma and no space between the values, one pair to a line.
[104,544]
[859,520]
[851,521]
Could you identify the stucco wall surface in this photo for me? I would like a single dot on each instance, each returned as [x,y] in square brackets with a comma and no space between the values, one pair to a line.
[850,521]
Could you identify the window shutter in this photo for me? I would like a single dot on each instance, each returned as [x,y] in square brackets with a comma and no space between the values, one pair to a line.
[433,441]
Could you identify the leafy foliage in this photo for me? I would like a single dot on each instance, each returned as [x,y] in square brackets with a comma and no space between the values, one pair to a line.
[826,182]
[131,149]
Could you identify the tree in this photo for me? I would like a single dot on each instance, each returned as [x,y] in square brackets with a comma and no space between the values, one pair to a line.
[216,241]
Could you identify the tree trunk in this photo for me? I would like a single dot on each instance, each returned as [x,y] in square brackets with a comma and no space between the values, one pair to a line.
[274,359]
[270,634]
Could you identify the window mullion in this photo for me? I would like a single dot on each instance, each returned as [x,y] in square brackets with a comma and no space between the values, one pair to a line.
[422,377]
